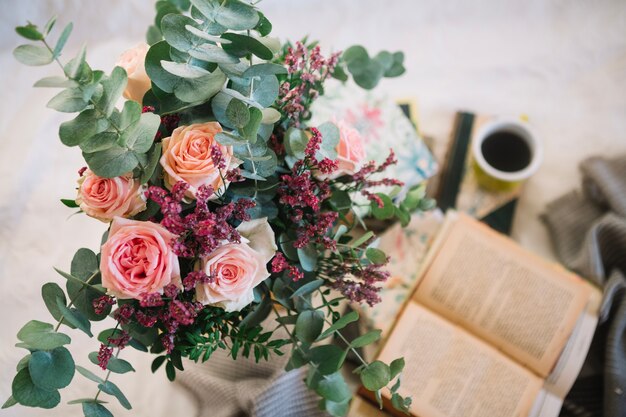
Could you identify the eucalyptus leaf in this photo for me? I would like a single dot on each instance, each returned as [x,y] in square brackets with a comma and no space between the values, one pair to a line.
[26,393]
[75,318]
[237,113]
[99,142]
[112,389]
[309,325]
[40,335]
[89,375]
[153,160]
[62,39]
[140,136]
[270,115]
[264,27]
[173,28]
[334,388]
[82,127]
[73,68]
[366,339]
[342,322]
[51,370]
[200,90]
[308,257]
[200,34]
[211,53]
[375,376]
[50,292]
[251,128]
[376,256]
[33,55]
[114,86]
[265,91]
[112,162]
[329,358]
[264,69]
[10,402]
[29,32]
[396,366]
[232,14]
[55,82]
[95,409]
[184,70]
[242,45]
[69,100]
[116,365]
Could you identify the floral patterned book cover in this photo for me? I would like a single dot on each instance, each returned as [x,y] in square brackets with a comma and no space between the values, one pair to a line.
[382,125]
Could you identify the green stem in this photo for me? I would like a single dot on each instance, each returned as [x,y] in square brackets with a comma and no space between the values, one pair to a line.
[91,101]
[75,297]
[106,378]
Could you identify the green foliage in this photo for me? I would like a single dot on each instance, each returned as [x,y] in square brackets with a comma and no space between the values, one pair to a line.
[85,270]
[367,71]
[375,376]
[342,322]
[112,389]
[309,325]
[41,336]
[51,370]
[95,409]
[33,55]
[25,392]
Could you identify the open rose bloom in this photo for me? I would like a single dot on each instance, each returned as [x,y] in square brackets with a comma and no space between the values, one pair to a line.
[106,198]
[236,269]
[137,259]
[188,155]
[132,61]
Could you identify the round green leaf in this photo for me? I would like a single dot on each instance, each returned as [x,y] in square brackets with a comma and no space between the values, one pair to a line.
[333,388]
[50,292]
[309,325]
[29,32]
[237,113]
[51,370]
[366,339]
[94,409]
[329,358]
[376,256]
[308,257]
[40,335]
[375,376]
[385,212]
[33,55]
[26,393]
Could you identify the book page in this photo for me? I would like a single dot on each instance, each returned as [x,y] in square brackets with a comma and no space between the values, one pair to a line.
[450,373]
[566,370]
[505,295]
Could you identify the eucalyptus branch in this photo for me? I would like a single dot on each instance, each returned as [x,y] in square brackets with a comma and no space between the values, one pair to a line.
[73,300]
[91,100]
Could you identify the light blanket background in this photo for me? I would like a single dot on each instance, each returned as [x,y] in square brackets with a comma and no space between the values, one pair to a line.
[563,63]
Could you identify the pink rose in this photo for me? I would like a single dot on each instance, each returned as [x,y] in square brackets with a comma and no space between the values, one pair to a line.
[350,152]
[132,61]
[106,198]
[137,259]
[187,157]
[238,268]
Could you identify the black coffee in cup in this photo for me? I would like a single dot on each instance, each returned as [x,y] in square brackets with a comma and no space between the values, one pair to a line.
[506,151]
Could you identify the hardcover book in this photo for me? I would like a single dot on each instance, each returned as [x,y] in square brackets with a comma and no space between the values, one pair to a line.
[491,329]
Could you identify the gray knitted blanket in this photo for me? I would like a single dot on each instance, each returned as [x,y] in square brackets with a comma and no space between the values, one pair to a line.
[588,230]
[241,388]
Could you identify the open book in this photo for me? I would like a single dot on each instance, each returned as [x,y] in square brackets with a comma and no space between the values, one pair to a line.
[491,329]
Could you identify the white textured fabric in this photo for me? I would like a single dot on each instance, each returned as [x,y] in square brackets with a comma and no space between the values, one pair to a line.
[561,62]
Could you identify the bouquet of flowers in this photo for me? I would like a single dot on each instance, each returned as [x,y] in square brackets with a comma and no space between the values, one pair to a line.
[222,206]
